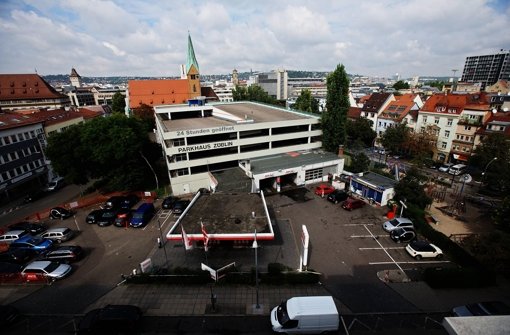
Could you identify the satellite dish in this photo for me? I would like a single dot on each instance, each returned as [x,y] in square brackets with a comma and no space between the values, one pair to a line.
[467,178]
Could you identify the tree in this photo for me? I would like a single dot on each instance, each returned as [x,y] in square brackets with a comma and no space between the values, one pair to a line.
[421,145]
[496,175]
[334,118]
[395,138]
[437,84]
[359,163]
[306,103]
[252,93]
[118,103]
[360,132]
[400,85]
[111,148]
[145,113]
[411,191]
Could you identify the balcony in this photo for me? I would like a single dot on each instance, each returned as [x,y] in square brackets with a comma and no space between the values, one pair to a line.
[471,122]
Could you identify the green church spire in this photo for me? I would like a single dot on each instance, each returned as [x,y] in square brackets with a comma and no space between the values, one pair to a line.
[191,60]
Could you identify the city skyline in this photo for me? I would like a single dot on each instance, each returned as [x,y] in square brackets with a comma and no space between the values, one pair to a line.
[133,38]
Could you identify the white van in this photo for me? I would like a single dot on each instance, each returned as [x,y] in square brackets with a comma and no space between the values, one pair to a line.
[457,169]
[305,315]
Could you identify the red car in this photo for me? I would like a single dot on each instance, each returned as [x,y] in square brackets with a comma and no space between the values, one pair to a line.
[324,189]
[352,203]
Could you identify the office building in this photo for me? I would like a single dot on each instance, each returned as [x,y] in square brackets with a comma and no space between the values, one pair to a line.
[487,69]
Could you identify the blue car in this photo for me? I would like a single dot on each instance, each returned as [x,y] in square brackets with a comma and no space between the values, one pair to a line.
[32,243]
[142,215]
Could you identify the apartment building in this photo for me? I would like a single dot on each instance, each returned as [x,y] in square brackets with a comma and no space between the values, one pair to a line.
[402,110]
[374,105]
[487,69]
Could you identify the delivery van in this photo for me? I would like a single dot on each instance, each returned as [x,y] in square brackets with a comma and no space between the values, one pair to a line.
[457,169]
[305,315]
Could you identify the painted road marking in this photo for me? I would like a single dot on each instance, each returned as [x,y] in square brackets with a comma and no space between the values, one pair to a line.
[416,262]
[390,248]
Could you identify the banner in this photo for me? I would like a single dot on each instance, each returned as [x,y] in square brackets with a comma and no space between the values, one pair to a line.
[188,245]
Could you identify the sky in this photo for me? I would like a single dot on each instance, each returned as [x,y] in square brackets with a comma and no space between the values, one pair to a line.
[149,38]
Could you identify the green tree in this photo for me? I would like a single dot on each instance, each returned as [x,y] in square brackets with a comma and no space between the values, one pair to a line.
[252,93]
[400,85]
[410,189]
[360,131]
[306,103]
[496,175]
[437,84]
[360,163]
[395,138]
[118,103]
[107,149]
[334,118]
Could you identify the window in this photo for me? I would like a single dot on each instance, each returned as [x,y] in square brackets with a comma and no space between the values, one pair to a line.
[446,133]
[450,122]
[5,176]
[424,119]
[180,157]
[7,140]
[443,145]
[467,128]
[14,138]
[436,120]
[178,142]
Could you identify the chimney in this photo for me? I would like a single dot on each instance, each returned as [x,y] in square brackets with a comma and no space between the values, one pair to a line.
[340,151]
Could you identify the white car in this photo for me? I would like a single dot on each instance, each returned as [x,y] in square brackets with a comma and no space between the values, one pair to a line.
[423,249]
[445,167]
[12,236]
[395,223]
[54,270]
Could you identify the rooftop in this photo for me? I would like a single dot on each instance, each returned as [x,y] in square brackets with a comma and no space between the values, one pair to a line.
[289,160]
[377,180]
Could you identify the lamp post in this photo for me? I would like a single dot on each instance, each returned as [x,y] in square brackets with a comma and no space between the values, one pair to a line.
[150,166]
[164,244]
[485,170]
[256,246]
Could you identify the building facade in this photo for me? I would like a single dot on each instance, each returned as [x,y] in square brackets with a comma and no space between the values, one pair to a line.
[487,69]
[201,138]
[274,83]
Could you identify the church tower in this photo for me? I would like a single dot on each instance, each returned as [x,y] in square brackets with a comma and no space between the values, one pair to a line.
[192,71]
[235,77]
[75,78]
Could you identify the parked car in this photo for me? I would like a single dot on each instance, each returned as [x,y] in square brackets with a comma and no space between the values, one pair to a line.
[129,201]
[54,270]
[93,216]
[168,202]
[142,215]
[403,234]
[17,256]
[111,319]
[34,243]
[123,218]
[115,202]
[445,167]
[457,169]
[32,228]
[395,223]
[58,235]
[337,196]
[324,189]
[60,213]
[352,203]
[12,236]
[423,249]
[482,309]
[64,254]
[180,206]
[107,218]
[55,184]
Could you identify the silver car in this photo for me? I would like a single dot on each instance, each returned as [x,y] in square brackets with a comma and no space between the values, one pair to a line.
[58,235]
[54,270]
[397,223]
[12,236]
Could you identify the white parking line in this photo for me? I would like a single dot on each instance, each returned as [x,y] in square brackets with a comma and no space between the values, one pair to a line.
[357,224]
[416,262]
[390,248]
[394,262]
[368,236]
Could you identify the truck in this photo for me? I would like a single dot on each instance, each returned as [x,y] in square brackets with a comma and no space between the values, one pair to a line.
[305,315]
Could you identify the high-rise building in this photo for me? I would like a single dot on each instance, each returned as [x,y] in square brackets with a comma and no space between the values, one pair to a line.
[487,69]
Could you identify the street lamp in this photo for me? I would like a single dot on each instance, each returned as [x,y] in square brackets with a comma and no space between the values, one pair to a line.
[150,166]
[485,170]
[256,246]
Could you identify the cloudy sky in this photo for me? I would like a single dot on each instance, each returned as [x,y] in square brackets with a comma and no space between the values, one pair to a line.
[149,38]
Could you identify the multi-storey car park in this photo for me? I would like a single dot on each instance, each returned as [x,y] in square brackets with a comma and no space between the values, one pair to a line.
[200,138]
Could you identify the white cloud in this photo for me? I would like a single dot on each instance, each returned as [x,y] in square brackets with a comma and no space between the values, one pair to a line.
[135,37]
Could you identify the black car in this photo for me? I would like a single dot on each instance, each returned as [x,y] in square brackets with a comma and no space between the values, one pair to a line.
[111,319]
[64,254]
[168,202]
[32,228]
[115,202]
[338,196]
[17,256]
[60,213]
[180,206]
[403,235]
[107,218]
[93,216]
[129,201]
